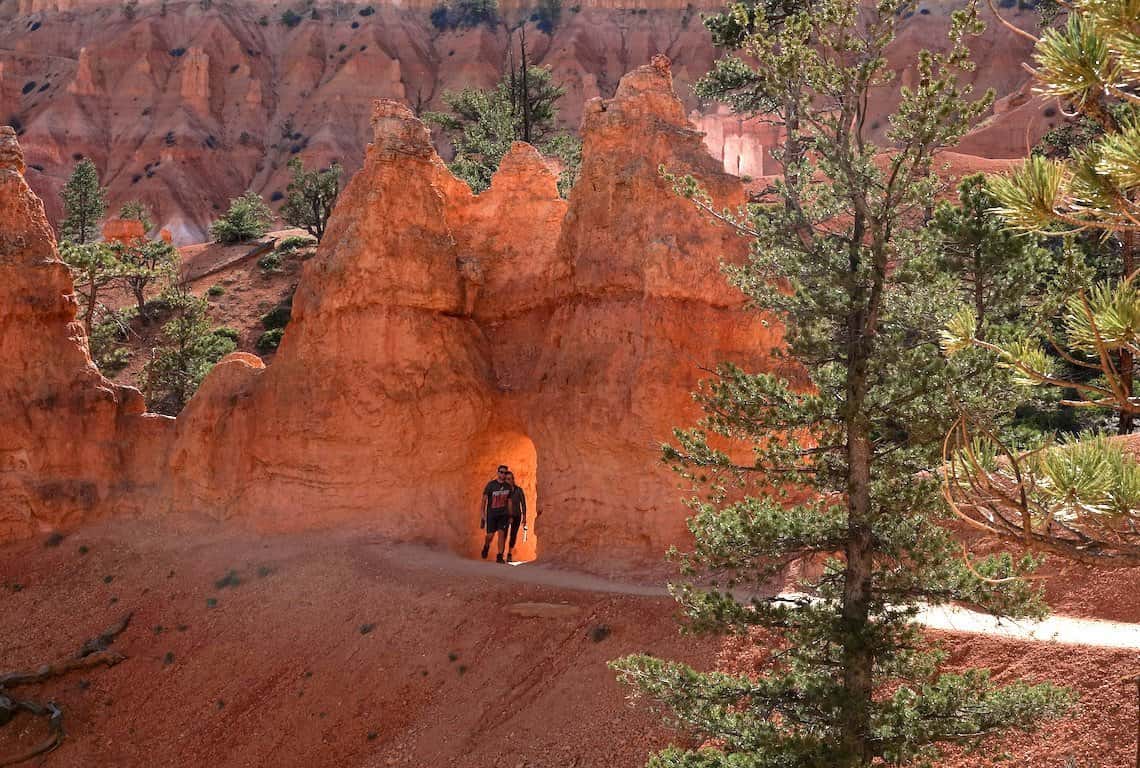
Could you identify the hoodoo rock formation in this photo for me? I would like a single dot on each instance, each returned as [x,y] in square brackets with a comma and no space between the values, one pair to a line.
[68,437]
[184,105]
[435,334]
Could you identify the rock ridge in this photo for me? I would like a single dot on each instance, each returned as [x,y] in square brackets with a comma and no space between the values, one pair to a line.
[435,334]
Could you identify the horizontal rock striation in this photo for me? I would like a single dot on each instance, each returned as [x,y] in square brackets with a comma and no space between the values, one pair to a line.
[434,335]
[185,105]
[70,441]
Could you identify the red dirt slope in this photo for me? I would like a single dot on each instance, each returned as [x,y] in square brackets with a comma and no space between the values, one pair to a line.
[339,649]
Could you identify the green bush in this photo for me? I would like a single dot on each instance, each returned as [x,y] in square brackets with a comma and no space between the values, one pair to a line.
[463,14]
[215,290]
[270,340]
[226,332]
[278,317]
[187,349]
[247,218]
[112,359]
[291,18]
[270,262]
[293,242]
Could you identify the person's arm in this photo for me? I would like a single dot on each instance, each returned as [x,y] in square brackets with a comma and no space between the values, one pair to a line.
[522,504]
[483,508]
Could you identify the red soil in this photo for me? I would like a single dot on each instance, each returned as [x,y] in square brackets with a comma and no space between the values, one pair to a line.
[280,671]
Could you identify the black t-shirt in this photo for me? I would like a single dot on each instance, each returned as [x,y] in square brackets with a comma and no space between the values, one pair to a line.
[518,502]
[498,498]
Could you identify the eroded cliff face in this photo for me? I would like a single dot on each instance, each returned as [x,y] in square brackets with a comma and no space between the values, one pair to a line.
[434,335]
[70,441]
[187,104]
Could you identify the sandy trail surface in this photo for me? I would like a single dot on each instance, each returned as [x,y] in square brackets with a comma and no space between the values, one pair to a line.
[337,649]
[1057,628]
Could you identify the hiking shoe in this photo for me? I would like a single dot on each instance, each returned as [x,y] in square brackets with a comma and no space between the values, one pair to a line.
[510,557]
[499,558]
[485,551]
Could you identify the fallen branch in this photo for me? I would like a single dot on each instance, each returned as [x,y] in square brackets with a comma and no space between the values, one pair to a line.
[93,653]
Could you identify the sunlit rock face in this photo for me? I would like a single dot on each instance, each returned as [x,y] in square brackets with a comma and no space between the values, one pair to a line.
[435,334]
[186,105]
[73,446]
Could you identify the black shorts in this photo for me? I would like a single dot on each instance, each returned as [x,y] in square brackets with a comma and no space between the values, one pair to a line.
[498,521]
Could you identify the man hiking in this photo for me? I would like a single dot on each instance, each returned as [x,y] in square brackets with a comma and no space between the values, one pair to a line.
[494,511]
[517,513]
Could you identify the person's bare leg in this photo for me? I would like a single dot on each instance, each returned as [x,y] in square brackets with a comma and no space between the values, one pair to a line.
[502,542]
[487,543]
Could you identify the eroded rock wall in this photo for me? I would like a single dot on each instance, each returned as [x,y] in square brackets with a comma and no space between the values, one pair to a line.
[185,105]
[73,446]
[434,335]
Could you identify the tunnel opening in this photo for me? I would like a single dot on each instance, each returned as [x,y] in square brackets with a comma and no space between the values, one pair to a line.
[517,451]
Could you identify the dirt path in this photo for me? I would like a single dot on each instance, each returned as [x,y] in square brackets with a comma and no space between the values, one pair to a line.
[340,649]
[1068,630]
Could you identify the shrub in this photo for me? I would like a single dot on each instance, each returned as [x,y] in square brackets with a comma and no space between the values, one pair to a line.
[176,52]
[106,341]
[278,317]
[367,11]
[463,14]
[270,340]
[263,21]
[290,18]
[215,290]
[113,360]
[547,15]
[226,332]
[270,262]
[188,348]
[293,242]
[28,87]
[231,579]
[247,218]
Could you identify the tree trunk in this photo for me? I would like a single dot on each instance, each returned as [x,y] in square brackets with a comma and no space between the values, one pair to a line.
[1125,361]
[525,85]
[89,315]
[979,302]
[139,291]
[858,659]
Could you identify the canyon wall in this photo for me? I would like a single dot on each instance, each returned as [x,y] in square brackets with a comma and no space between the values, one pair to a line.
[72,445]
[187,104]
[435,334]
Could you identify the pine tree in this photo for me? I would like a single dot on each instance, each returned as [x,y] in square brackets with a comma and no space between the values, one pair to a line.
[840,469]
[311,196]
[1092,62]
[484,123]
[1076,499]
[142,265]
[997,269]
[188,349]
[136,210]
[248,217]
[93,267]
[84,204]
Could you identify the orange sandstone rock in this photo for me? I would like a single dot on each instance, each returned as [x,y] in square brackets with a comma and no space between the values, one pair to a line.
[187,107]
[436,334]
[123,231]
[70,441]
